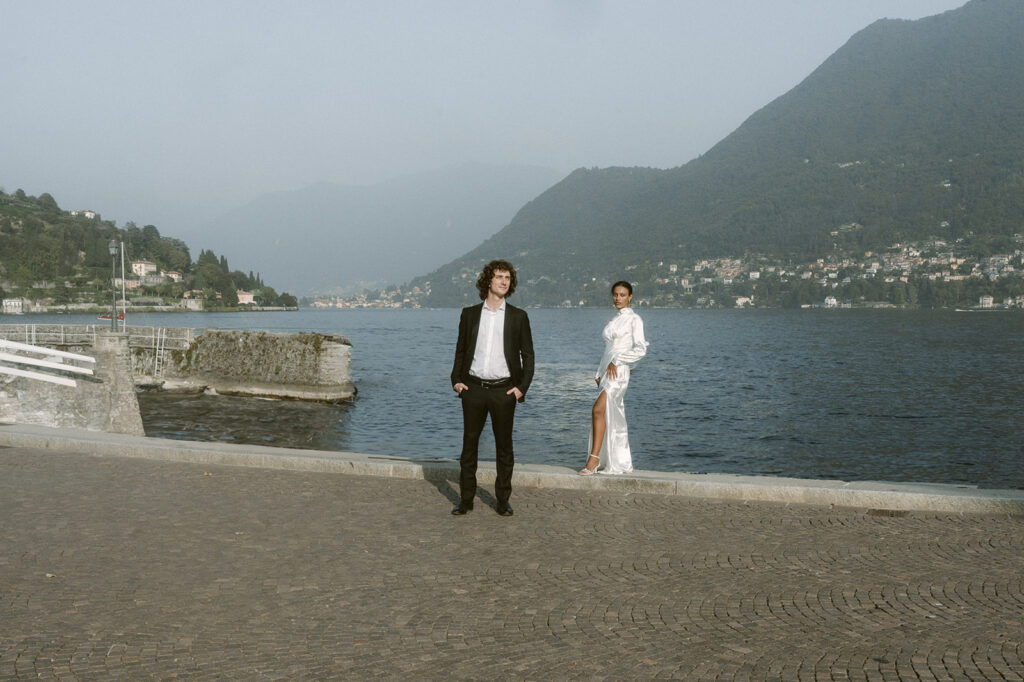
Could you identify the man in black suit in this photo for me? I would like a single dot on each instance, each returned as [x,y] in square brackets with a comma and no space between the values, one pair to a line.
[492,371]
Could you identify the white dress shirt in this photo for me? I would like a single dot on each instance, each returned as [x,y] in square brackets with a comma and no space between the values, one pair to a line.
[489,355]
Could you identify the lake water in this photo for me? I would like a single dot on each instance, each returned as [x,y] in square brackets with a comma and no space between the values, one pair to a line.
[839,394]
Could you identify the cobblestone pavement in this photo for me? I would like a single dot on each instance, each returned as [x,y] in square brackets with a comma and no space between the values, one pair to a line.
[114,568]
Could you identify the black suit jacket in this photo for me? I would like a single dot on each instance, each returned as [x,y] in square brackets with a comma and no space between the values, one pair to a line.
[518,345]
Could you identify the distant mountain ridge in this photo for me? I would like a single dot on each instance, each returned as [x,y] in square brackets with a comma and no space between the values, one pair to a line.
[327,238]
[911,129]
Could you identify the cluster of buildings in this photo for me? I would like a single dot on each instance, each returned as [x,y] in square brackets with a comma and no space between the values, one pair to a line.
[14,306]
[935,260]
[700,283]
[147,274]
[387,298]
[144,274]
[898,264]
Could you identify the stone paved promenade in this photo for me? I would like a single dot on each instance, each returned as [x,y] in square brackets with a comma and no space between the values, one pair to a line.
[117,568]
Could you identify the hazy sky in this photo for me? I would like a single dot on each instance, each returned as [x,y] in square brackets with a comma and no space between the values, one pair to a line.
[169,113]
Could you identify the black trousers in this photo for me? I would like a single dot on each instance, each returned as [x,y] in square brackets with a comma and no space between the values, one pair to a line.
[477,403]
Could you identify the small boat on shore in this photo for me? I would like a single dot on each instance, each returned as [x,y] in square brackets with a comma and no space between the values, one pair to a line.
[120,316]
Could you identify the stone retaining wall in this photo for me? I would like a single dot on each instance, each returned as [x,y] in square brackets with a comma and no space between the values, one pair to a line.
[297,366]
[104,402]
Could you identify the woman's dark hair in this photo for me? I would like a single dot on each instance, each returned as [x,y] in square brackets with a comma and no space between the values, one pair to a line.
[625,285]
[483,284]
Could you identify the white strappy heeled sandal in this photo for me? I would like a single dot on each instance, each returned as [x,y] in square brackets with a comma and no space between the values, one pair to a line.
[589,472]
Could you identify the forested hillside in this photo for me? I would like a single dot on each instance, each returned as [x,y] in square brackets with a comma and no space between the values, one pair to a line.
[913,131]
[58,258]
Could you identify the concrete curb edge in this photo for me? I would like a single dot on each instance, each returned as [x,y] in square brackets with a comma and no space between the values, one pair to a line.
[862,494]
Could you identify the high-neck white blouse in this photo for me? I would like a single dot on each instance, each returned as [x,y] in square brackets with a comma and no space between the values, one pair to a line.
[624,342]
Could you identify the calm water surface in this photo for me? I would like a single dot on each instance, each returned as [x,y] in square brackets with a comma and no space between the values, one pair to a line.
[839,394]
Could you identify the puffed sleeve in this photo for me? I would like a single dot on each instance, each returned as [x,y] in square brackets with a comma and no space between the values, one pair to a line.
[638,349]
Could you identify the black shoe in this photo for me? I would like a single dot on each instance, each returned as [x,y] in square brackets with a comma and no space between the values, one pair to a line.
[462,509]
[504,509]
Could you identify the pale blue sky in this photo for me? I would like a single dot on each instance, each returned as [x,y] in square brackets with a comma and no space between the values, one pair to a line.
[171,112]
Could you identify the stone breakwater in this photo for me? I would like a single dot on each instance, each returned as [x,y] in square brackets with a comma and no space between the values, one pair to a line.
[312,367]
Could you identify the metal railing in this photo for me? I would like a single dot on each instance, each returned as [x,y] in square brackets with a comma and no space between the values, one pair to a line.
[50,334]
[155,338]
[159,340]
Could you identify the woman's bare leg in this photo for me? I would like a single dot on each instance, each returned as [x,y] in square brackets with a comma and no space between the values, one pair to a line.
[598,424]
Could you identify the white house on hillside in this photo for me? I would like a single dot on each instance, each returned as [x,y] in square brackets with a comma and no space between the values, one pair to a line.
[14,306]
[143,267]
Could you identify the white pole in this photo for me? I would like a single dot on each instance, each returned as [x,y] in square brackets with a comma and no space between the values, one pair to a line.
[124,307]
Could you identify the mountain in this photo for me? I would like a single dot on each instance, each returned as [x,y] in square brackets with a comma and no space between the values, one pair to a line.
[912,129]
[336,238]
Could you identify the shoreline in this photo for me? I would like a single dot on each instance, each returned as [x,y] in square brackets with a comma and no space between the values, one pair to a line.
[152,309]
[318,309]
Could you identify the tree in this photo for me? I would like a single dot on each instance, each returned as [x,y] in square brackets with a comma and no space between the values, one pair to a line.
[150,237]
[62,295]
[133,239]
[265,296]
[96,254]
[32,227]
[229,297]
[207,258]
[897,294]
[47,203]
[172,254]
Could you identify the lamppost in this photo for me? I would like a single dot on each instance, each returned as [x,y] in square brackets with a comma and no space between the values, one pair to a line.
[112,247]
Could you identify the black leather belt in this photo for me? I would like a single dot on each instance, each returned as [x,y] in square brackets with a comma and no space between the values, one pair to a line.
[490,383]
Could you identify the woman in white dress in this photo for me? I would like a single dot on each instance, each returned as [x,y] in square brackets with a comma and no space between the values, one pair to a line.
[624,344]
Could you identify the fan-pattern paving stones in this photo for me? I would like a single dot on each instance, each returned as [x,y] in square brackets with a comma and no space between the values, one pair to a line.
[114,568]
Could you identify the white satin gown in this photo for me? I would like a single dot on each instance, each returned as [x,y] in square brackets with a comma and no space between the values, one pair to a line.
[624,345]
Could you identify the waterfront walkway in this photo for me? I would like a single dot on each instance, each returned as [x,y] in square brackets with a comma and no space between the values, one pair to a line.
[140,566]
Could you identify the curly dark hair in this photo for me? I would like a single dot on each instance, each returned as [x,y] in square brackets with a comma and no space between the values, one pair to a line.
[483,283]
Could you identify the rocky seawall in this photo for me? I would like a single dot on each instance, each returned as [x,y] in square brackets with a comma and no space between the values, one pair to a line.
[245,363]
